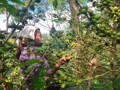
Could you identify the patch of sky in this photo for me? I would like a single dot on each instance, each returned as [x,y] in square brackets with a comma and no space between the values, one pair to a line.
[2,18]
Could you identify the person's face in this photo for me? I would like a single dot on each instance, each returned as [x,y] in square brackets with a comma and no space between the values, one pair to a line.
[38,37]
[23,41]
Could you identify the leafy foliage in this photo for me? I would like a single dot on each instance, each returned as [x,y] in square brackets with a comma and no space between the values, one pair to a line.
[95,49]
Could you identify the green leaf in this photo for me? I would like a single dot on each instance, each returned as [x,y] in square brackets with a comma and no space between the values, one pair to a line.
[96,82]
[1,81]
[63,85]
[39,81]
[116,83]
[31,62]
[1,88]
[17,1]
[118,47]
[11,9]
[82,1]
[55,3]
[3,1]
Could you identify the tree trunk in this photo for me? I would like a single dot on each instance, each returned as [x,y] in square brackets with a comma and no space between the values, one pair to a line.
[74,15]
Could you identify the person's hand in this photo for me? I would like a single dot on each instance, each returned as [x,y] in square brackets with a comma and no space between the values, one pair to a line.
[63,60]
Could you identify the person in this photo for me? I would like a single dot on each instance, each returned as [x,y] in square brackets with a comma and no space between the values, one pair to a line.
[25,52]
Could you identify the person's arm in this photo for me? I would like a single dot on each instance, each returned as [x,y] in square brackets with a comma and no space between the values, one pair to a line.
[62,61]
[52,71]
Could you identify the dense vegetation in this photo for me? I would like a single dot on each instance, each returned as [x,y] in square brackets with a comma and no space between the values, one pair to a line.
[92,39]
